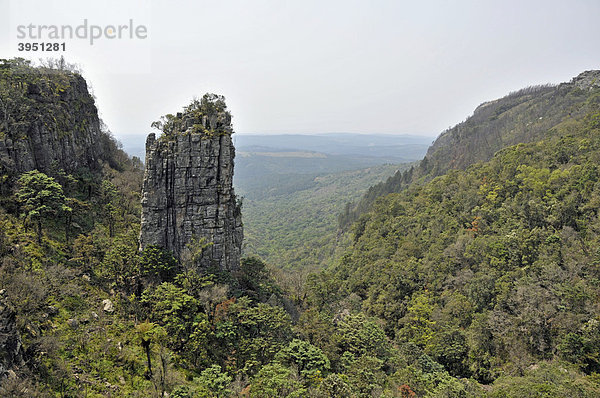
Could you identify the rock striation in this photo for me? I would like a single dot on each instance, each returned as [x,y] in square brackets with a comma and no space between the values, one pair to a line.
[187,193]
[48,121]
[11,348]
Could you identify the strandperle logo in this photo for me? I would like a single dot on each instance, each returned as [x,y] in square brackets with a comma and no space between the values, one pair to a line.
[84,31]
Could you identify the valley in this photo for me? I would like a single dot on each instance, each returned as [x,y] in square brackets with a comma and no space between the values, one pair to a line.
[466,270]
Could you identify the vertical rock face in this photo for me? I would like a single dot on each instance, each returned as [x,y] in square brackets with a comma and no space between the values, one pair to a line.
[187,192]
[48,121]
[11,350]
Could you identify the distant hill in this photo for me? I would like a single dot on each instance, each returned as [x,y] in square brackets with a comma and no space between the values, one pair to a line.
[294,186]
[399,147]
[267,165]
[520,117]
[394,148]
[133,144]
[264,174]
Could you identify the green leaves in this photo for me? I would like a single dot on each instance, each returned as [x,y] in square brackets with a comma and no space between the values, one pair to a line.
[39,197]
[487,269]
[358,335]
[208,116]
[157,262]
[276,381]
[310,361]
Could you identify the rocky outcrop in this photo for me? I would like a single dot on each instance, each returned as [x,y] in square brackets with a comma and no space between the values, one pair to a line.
[48,121]
[11,348]
[187,193]
[587,80]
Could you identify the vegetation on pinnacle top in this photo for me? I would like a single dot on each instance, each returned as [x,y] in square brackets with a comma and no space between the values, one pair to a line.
[207,116]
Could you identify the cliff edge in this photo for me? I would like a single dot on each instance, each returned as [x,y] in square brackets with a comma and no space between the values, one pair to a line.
[48,121]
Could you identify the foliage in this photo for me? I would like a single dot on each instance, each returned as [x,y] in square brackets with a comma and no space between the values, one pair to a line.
[156,262]
[487,270]
[207,116]
[519,117]
[546,380]
[275,381]
[479,282]
[40,197]
[291,221]
[310,361]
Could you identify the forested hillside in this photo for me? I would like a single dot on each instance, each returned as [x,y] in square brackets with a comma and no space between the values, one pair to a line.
[522,116]
[481,282]
[265,174]
[292,194]
[493,271]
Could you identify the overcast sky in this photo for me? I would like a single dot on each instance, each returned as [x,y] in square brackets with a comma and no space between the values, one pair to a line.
[305,66]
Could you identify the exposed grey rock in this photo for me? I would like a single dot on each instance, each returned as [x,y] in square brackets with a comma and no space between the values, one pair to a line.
[11,347]
[53,132]
[188,194]
[107,305]
[73,323]
[587,80]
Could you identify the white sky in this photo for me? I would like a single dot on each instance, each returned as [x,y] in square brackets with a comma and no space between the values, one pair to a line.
[304,66]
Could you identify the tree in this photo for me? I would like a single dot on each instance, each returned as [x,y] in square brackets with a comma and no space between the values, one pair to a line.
[250,335]
[120,261]
[158,263]
[418,325]
[357,335]
[145,332]
[310,361]
[109,197]
[335,385]
[173,309]
[215,381]
[253,278]
[40,197]
[275,380]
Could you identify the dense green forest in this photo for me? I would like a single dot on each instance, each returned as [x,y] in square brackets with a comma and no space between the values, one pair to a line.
[491,271]
[294,225]
[480,282]
[522,116]
[293,195]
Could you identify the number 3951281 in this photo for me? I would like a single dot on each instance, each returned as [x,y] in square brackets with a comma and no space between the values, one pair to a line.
[42,47]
